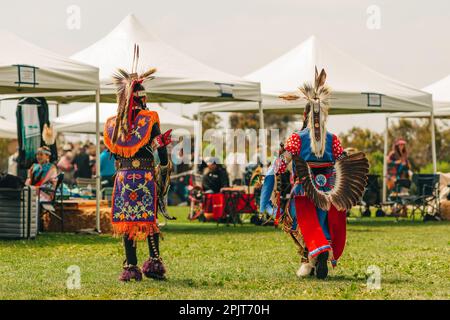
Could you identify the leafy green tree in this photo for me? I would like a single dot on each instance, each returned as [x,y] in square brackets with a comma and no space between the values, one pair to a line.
[417,134]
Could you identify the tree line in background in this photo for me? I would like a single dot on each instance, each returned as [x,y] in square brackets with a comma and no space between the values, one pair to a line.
[418,137]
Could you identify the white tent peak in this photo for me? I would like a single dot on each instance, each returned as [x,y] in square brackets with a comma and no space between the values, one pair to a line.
[133,29]
[441,93]
[53,71]
[343,71]
[351,83]
[117,47]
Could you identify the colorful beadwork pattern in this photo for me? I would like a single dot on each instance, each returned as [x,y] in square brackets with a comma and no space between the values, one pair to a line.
[134,203]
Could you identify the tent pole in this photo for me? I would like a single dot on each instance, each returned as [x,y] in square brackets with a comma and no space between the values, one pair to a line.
[262,137]
[97,161]
[433,141]
[198,141]
[385,158]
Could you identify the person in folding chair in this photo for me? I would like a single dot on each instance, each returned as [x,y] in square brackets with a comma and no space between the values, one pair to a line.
[140,186]
[43,173]
[326,184]
[398,167]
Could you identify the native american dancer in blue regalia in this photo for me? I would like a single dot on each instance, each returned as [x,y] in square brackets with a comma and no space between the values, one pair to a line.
[140,187]
[326,183]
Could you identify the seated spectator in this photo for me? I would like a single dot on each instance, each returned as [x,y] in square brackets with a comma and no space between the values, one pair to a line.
[81,164]
[215,176]
[43,173]
[92,152]
[398,168]
[65,164]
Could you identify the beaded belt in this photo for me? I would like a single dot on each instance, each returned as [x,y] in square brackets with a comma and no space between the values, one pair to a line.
[136,163]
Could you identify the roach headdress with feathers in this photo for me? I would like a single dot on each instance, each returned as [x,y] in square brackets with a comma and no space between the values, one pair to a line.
[316,110]
[130,93]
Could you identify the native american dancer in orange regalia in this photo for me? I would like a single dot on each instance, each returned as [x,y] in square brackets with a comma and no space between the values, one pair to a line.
[140,187]
[326,183]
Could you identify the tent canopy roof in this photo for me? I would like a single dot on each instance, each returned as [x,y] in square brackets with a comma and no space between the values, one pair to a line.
[83,120]
[441,93]
[441,113]
[53,72]
[179,78]
[350,81]
[8,129]
[441,101]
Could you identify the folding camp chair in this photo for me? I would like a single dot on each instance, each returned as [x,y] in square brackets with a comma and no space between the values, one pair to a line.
[53,193]
[426,196]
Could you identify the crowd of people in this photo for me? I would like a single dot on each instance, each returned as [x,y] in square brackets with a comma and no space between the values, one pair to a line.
[78,161]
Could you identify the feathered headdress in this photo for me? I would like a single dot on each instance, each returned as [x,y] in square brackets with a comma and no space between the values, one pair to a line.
[129,86]
[316,110]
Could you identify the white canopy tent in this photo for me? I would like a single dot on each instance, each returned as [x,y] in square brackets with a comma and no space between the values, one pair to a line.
[441,101]
[27,70]
[439,113]
[356,88]
[441,93]
[8,129]
[83,120]
[179,78]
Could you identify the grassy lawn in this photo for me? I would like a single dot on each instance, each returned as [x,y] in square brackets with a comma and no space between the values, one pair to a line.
[206,261]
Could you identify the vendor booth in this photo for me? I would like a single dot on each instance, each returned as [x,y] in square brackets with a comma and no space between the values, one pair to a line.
[356,88]
[29,71]
[8,129]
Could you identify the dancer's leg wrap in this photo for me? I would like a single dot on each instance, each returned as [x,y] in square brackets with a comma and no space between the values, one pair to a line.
[312,232]
[154,267]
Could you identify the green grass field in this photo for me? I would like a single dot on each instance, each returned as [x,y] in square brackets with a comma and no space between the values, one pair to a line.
[206,261]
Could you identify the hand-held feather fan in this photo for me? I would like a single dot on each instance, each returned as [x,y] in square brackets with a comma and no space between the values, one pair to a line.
[350,182]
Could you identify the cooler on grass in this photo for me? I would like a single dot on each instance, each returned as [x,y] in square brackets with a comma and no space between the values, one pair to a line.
[18,213]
